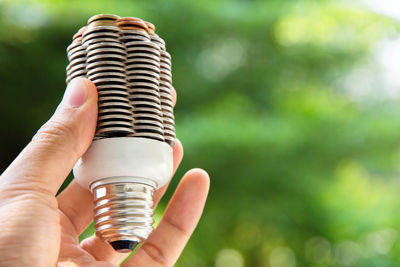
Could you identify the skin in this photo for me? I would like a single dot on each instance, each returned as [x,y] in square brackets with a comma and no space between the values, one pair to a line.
[40,229]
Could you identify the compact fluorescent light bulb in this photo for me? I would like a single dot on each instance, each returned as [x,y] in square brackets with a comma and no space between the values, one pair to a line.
[131,154]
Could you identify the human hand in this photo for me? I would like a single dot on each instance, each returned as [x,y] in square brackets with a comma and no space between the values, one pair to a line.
[40,229]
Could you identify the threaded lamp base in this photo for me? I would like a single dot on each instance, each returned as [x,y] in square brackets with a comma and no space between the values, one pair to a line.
[123,213]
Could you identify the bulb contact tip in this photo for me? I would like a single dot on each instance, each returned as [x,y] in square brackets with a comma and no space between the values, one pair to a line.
[124,246]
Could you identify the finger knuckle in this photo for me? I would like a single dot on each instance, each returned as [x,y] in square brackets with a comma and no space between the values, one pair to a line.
[154,252]
[177,228]
[29,193]
[54,132]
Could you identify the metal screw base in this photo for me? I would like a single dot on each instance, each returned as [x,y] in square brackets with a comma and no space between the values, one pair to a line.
[123,214]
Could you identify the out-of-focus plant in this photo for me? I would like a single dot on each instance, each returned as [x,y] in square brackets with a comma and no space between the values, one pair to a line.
[302,174]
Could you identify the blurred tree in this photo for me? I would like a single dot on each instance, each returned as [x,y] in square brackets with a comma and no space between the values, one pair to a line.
[302,172]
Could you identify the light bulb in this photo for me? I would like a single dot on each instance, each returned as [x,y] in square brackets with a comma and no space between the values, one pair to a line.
[131,154]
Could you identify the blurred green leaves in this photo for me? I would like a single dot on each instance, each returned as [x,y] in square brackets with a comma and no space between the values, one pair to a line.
[302,172]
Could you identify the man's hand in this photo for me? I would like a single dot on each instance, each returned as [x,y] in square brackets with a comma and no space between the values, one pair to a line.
[39,229]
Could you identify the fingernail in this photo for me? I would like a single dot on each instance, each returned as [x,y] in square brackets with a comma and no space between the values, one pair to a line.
[76,93]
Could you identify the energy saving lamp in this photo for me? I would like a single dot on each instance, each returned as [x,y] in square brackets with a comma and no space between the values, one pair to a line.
[131,154]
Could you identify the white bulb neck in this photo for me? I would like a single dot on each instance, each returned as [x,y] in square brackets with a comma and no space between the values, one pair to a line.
[126,160]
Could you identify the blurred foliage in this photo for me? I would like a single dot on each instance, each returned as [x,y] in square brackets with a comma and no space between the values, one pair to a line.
[302,174]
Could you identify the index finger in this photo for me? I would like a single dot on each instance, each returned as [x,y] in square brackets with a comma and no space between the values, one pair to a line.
[167,241]
[174,96]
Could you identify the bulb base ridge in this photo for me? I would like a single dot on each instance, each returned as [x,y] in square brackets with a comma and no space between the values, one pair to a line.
[123,213]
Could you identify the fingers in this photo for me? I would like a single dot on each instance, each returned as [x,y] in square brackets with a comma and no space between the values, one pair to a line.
[166,243]
[102,251]
[71,253]
[77,204]
[58,144]
[174,96]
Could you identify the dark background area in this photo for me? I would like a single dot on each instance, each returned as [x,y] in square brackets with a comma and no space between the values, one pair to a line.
[280,101]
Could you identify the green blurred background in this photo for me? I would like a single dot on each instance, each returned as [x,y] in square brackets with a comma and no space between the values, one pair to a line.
[291,106]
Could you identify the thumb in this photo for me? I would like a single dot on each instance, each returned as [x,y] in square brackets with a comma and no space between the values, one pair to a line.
[53,151]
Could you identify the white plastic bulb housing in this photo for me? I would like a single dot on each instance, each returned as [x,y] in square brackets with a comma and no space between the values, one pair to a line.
[125,159]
